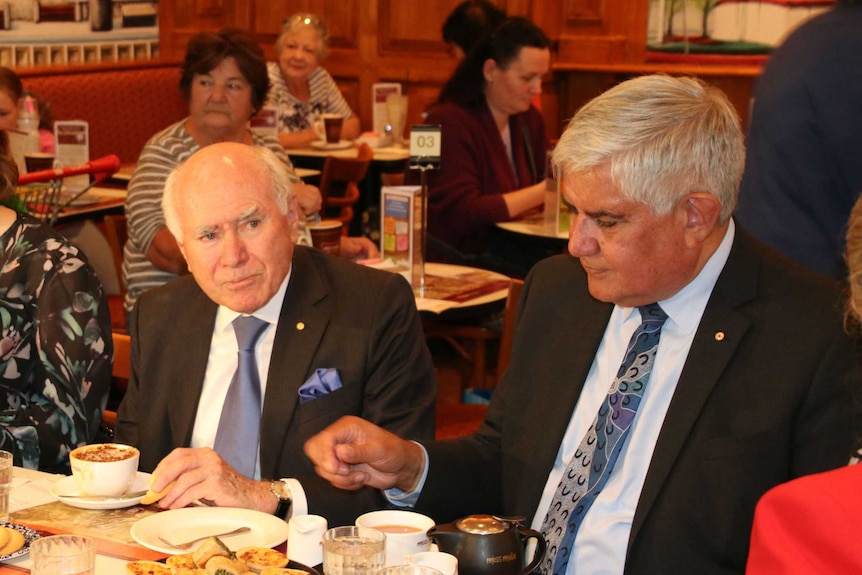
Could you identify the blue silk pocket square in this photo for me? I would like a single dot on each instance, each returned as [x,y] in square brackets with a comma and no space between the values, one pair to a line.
[321,382]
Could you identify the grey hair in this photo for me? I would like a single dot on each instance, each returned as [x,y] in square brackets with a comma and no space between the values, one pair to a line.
[660,138]
[269,164]
[297,22]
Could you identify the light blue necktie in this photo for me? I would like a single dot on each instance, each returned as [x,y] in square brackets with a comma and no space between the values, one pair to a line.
[239,425]
[593,461]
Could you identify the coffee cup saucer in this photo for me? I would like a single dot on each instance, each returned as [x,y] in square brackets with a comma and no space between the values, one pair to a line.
[63,488]
[324,145]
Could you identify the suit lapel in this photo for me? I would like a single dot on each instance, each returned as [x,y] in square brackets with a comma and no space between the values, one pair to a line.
[718,335]
[304,316]
[196,337]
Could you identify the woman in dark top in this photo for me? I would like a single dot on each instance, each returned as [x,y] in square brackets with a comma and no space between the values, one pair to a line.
[55,339]
[493,140]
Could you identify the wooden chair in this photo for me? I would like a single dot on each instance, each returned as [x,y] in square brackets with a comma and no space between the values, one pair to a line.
[339,184]
[120,373]
[116,231]
[508,333]
[470,342]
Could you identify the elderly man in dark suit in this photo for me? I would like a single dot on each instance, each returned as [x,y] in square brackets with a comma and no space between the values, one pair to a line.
[332,338]
[734,371]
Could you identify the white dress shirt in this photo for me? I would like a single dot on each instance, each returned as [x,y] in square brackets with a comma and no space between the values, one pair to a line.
[222,363]
[601,542]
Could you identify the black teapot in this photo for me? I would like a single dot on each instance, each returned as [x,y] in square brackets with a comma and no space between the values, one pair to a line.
[489,545]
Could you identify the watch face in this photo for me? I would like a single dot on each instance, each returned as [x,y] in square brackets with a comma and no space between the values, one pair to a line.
[280,490]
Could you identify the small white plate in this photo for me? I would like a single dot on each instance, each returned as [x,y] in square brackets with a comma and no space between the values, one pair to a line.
[190,522]
[29,537]
[69,486]
[340,145]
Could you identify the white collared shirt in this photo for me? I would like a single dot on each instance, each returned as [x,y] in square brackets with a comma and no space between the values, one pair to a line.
[602,540]
[222,363]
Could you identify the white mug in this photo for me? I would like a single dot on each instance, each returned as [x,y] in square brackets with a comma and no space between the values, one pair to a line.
[445,563]
[406,532]
[305,539]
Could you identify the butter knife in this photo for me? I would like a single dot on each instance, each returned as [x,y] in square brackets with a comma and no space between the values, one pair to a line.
[84,497]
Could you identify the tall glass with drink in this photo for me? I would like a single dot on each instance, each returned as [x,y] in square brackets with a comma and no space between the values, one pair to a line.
[5,483]
[63,555]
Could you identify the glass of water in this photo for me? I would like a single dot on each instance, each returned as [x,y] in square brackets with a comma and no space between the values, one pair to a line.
[353,550]
[5,483]
[63,555]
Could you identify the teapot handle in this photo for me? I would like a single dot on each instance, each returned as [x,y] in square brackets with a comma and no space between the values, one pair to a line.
[527,534]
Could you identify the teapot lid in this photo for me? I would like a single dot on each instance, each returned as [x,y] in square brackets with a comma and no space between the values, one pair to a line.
[484,524]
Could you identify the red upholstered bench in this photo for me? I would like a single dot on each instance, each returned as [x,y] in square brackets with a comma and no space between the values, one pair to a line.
[125,106]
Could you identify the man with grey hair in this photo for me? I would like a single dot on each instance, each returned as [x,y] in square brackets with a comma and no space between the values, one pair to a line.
[734,371]
[262,346]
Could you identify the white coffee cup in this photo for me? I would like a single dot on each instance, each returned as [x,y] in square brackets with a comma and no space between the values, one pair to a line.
[406,532]
[104,469]
[305,539]
[445,563]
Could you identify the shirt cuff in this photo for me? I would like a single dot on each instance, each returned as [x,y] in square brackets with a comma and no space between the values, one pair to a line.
[401,498]
[299,502]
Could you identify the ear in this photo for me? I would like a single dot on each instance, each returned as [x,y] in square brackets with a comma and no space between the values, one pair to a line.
[293,219]
[489,69]
[701,211]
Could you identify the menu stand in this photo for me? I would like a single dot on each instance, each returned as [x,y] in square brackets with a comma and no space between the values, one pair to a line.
[424,156]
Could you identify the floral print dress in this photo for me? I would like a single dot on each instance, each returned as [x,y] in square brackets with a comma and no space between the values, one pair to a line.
[55,347]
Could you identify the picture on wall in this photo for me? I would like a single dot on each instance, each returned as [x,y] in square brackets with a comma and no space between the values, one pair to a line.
[68,32]
[714,30]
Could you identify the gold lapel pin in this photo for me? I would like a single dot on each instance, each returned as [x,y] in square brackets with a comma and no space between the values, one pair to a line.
[719,336]
[300,326]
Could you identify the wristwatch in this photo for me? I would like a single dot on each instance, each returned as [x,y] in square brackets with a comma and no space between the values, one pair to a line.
[280,489]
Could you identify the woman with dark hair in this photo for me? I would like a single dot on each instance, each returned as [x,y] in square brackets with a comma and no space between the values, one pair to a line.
[225,81]
[493,140]
[469,23]
[55,339]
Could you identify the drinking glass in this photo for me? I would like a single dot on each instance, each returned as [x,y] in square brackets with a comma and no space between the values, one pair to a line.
[63,555]
[353,550]
[5,483]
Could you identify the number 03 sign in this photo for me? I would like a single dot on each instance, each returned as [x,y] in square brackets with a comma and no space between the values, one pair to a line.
[425,146]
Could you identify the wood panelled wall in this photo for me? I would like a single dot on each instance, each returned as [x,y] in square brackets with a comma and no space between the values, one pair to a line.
[599,43]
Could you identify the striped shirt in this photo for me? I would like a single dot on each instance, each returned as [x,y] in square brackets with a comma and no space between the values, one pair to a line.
[164,152]
[295,115]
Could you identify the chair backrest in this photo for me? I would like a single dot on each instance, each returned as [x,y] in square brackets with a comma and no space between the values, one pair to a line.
[121,371]
[117,232]
[508,333]
[339,182]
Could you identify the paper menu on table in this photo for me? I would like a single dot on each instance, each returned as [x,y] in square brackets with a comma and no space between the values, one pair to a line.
[379,114]
[26,493]
[72,141]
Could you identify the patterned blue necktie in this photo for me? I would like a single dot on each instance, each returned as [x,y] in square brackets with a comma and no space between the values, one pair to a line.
[593,461]
[239,426]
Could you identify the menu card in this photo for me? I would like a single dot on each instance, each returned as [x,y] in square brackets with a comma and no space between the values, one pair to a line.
[72,140]
[265,122]
[379,113]
[401,227]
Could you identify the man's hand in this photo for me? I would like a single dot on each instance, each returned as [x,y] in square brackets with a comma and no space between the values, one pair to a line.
[201,474]
[358,248]
[352,453]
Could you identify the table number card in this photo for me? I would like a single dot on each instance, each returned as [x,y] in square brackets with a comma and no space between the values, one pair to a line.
[72,141]
[425,146]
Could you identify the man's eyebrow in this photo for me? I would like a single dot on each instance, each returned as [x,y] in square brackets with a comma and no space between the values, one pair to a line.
[249,214]
[594,215]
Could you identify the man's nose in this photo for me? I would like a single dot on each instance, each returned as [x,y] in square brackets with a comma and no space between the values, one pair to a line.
[233,249]
[581,240]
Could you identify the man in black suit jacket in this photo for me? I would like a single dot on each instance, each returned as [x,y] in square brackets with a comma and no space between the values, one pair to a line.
[750,385]
[231,209]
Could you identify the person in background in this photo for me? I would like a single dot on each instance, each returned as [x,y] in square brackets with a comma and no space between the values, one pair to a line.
[811,524]
[301,89]
[470,22]
[803,173]
[55,339]
[225,82]
[493,146]
[668,373]
[337,338]
[11,90]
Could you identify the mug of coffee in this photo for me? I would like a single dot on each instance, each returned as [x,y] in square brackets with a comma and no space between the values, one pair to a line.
[326,236]
[406,532]
[332,126]
[38,161]
[104,469]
